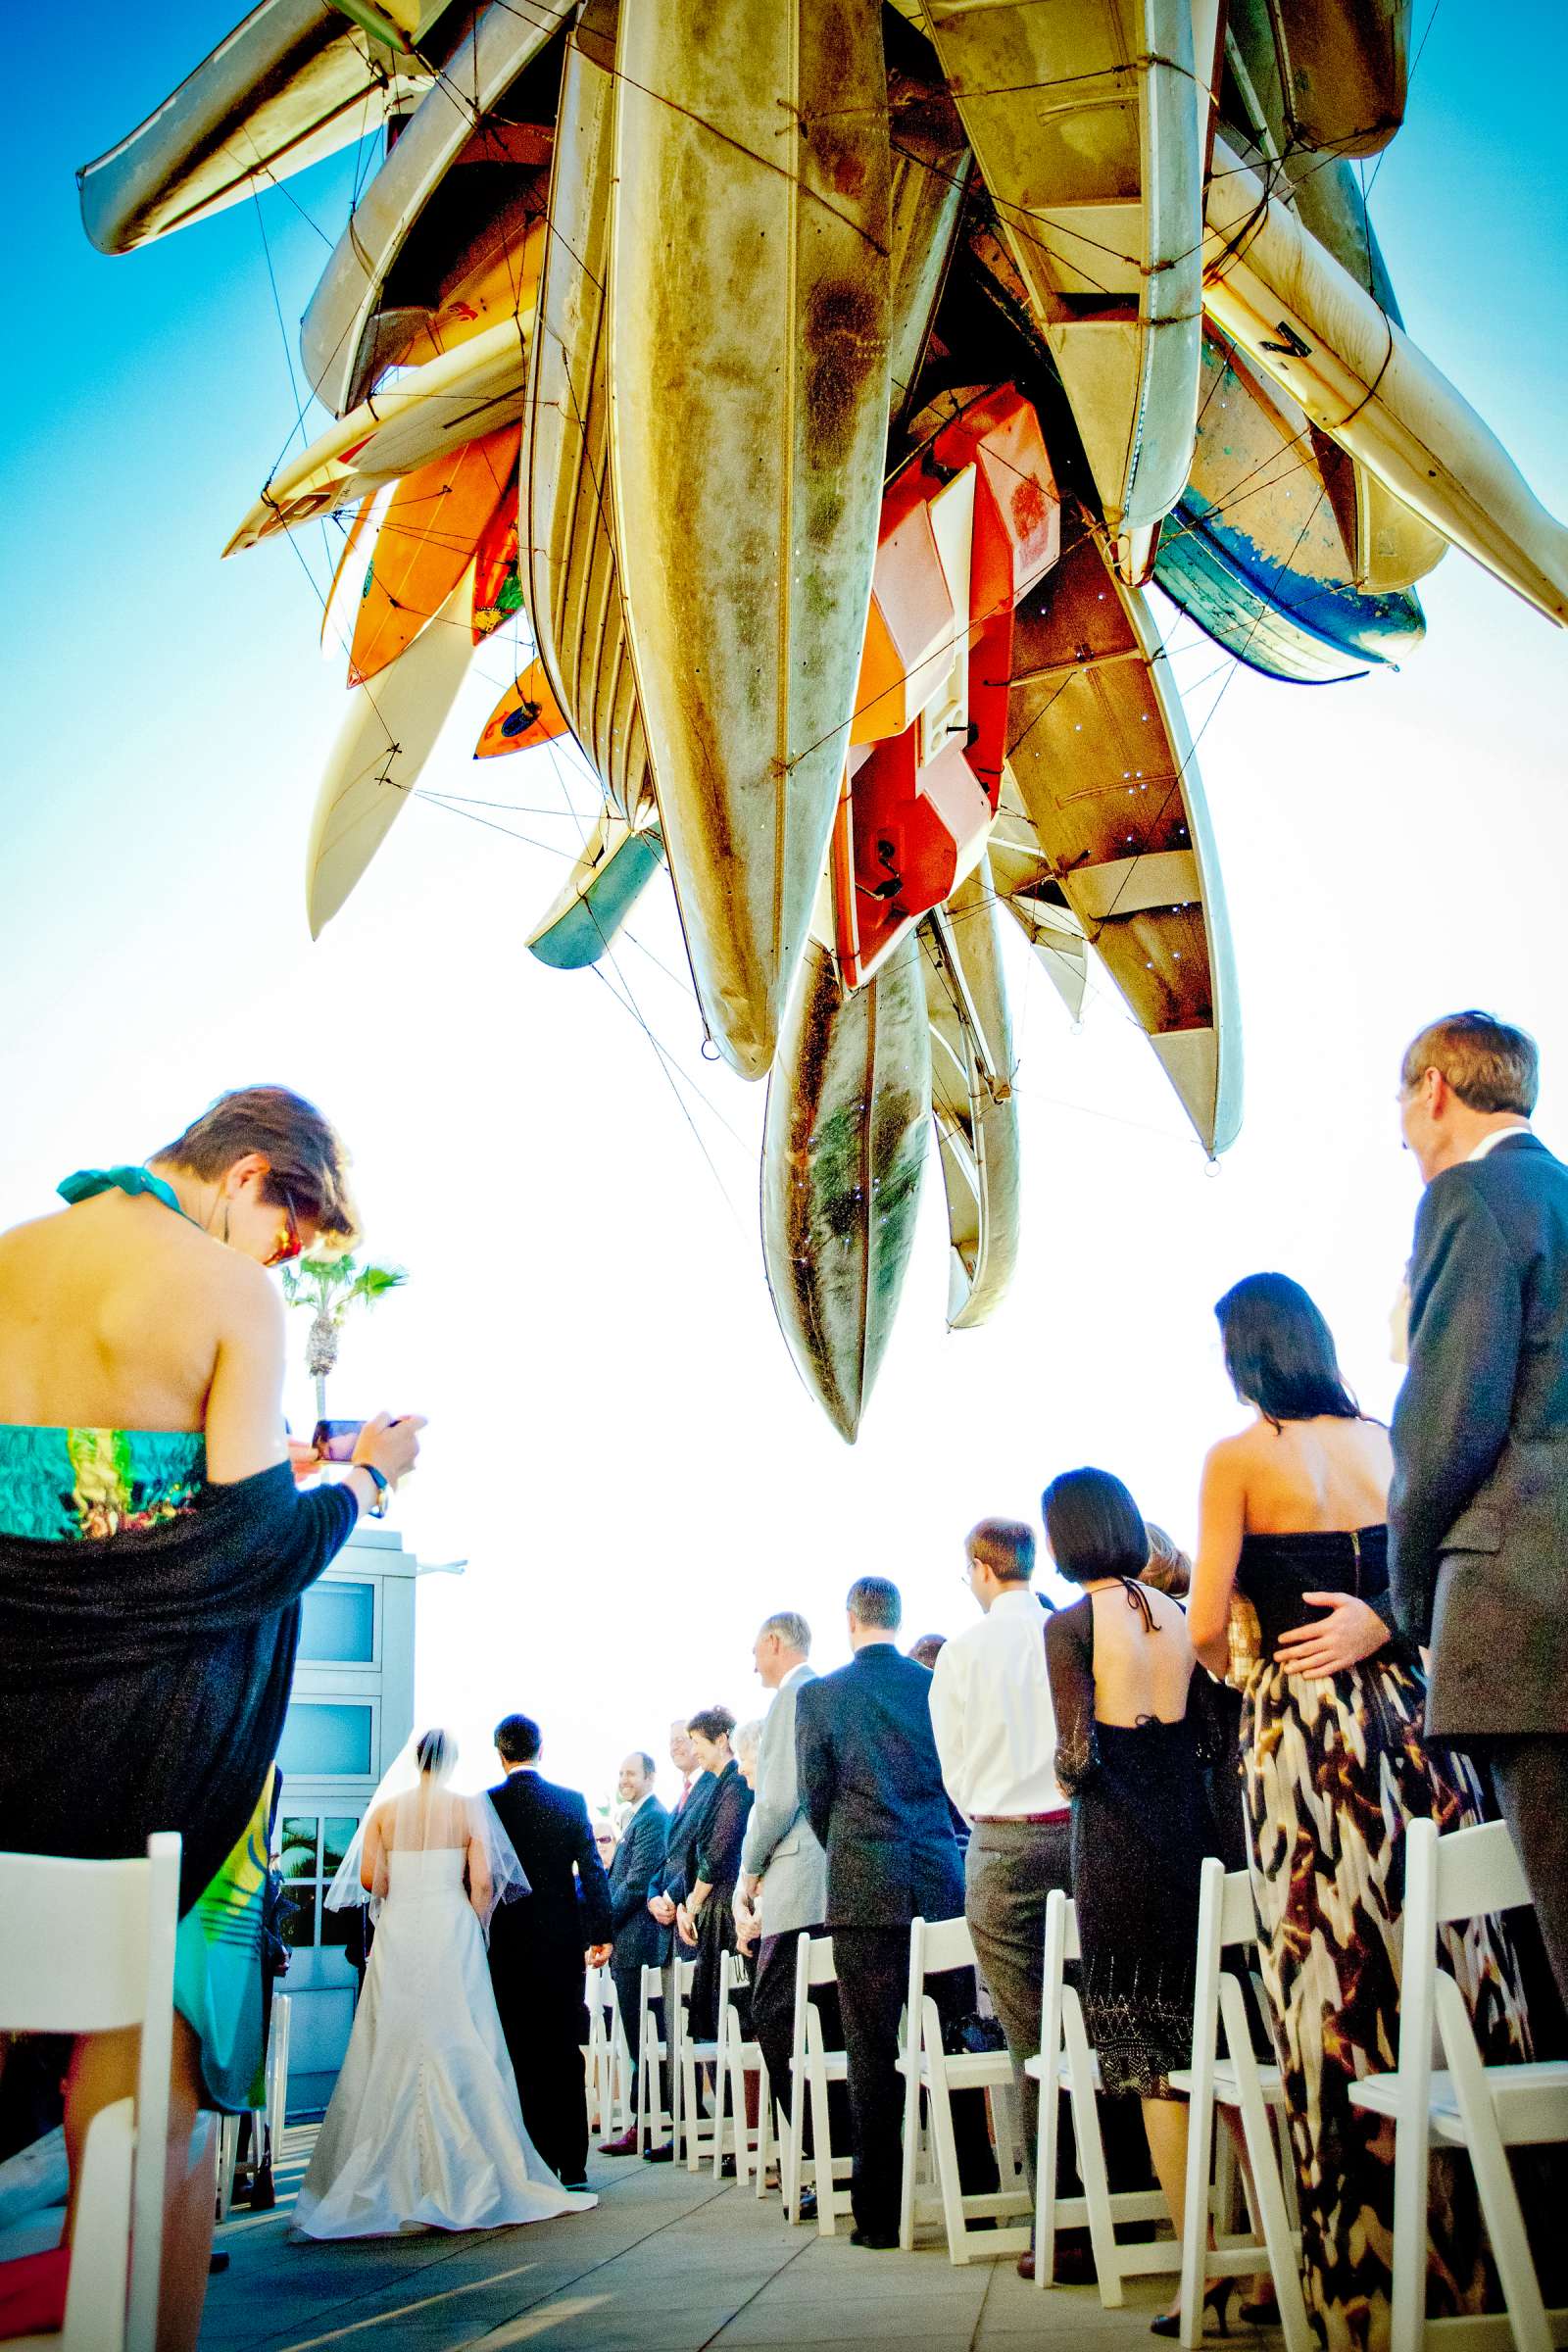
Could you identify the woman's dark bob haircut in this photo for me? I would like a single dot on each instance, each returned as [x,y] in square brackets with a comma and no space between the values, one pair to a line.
[1280,1352]
[1094,1527]
[713,1723]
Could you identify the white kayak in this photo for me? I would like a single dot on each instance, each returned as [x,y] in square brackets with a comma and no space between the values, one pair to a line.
[1276,291]
[431,410]
[390,733]
[843,1150]
[294,82]
[1104,767]
[337,330]
[749,382]
[573,580]
[1088,122]
[972,1100]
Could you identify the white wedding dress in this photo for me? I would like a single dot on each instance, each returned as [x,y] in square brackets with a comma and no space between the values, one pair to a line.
[425,2128]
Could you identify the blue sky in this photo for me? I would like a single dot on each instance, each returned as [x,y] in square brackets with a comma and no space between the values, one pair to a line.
[617,1440]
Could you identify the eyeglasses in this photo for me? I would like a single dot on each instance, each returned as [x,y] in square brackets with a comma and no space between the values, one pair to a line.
[290,1246]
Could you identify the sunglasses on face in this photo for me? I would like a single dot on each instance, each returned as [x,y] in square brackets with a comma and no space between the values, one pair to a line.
[289,1247]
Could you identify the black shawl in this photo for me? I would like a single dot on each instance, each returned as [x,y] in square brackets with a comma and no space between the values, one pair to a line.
[144,1677]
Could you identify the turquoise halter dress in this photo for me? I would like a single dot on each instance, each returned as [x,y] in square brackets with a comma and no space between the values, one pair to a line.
[83,1485]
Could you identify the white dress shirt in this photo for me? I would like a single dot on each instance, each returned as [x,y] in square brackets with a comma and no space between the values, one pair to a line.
[991,1711]
[1498,1135]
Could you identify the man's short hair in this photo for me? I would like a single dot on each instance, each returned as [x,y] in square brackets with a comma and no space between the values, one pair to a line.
[1007,1546]
[872,1600]
[792,1630]
[1490,1065]
[644,1762]
[518,1738]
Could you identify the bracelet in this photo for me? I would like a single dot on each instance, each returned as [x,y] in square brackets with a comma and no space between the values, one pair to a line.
[383,1489]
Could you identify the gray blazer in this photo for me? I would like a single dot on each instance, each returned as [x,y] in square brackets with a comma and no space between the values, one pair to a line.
[1478,1511]
[781,1848]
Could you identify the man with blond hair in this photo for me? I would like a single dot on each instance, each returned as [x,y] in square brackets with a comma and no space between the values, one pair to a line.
[1478,1510]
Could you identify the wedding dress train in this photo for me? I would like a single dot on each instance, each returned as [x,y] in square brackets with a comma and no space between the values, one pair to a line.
[425,2128]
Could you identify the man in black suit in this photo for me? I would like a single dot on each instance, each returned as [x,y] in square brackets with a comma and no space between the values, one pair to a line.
[1478,1511]
[538,1946]
[872,1790]
[673,1879]
[639,1939]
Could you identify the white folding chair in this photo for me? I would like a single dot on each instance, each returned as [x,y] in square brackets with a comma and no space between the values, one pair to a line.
[1227,1921]
[737,2058]
[935,1948]
[812,2067]
[1066,2065]
[1485,2110]
[654,2121]
[694,2132]
[88,1947]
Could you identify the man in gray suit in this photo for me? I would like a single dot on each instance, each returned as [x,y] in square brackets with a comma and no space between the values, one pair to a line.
[781,1852]
[1478,1511]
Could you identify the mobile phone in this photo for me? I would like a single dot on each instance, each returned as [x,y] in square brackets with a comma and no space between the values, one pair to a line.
[335,1440]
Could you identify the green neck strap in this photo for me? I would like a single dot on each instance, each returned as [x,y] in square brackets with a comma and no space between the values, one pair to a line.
[88,1182]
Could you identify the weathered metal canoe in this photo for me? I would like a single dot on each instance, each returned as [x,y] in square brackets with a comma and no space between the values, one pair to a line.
[382,745]
[1273,289]
[432,411]
[1257,551]
[1343,67]
[931,166]
[749,380]
[293,83]
[567,497]
[1090,123]
[580,925]
[432,525]
[1100,754]
[337,338]
[844,1145]
[971,1097]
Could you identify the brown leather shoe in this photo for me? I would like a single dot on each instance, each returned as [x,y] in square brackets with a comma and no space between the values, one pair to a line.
[1026,2264]
[625,2145]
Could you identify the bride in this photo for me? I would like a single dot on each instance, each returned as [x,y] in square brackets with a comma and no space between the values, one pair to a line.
[424,2129]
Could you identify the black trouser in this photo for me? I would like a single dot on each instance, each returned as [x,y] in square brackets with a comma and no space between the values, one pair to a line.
[1529,1780]
[774,2026]
[542,2018]
[873,1974]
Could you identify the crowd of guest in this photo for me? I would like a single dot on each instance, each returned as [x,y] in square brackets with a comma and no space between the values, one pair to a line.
[1373,1630]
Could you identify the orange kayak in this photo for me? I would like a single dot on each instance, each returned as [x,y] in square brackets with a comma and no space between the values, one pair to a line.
[526,714]
[437,518]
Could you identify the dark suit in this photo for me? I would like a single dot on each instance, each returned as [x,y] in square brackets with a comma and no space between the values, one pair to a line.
[536,1960]
[639,1939]
[1478,1511]
[872,1790]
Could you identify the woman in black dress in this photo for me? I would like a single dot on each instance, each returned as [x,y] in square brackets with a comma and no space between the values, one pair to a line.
[1335,1762]
[708,1914]
[1130,1755]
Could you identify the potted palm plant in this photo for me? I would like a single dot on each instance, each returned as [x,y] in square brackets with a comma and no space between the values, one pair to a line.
[330,1288]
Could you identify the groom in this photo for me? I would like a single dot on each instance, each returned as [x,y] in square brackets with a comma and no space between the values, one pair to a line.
[537,1948]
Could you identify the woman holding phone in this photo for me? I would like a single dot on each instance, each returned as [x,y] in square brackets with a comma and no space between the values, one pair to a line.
[153,1551]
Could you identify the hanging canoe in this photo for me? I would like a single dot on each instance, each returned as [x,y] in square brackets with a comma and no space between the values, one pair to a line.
[1309,326]
[498,568]
[749,382]
[616,865]
[428,413]
[432,525]
[843,1145]
[1100,752]
[568,523]
[1256,552]
[382,745]
[526,714]
[293,83]
[930,166]
[336,338]
[1344,69]
[1025,887]
[971,1097]
[1089,128]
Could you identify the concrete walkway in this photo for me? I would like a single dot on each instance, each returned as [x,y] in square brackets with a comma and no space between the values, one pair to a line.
[669,2262]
